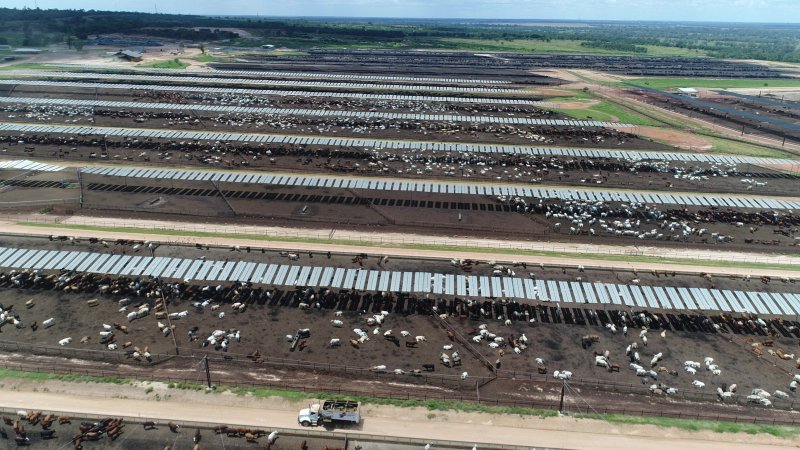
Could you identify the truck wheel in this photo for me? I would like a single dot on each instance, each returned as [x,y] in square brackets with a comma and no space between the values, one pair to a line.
[305,423]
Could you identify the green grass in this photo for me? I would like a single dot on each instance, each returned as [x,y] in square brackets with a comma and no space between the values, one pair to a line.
[448,248]
[671,83]
[27,66]
[720,144]
[204,58]
[603,111]
[697,425]
[168,64]
[607,111]
[735,147]
[553,46]
[577,95]
[42,376]
[431,405]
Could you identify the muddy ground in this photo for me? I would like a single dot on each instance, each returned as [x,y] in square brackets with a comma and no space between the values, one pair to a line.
[264,328]
[329,208]
[392,210]
[287,101]
[135,437]
[445,166]
[373,262]
[570,136]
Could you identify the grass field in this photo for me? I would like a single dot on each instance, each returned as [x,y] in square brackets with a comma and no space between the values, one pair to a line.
[204,58]
[603,111]
[730,146]
[26,66]
[167,64]
[553,46]
[607,111]
[671,83]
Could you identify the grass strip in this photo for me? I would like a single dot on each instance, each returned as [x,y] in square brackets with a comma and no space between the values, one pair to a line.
[67,377]
[167,64]
[437,247]
[717,426]
[607,111]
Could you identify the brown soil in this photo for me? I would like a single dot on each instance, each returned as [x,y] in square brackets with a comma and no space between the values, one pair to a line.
[679,139]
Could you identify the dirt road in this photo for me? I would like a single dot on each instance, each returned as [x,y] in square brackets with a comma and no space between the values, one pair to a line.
[420,423]
[392,244]
[612,93]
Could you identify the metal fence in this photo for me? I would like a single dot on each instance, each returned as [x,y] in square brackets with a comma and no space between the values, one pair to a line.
[425,397]
[78,353]
[444,380]
[340,436]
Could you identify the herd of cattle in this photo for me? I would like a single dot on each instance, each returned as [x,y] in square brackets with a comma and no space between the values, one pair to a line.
[348,104]
[538,134]
[140,297]
[112,428]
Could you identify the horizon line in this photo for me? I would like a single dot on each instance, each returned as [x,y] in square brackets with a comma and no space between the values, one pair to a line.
[509,20]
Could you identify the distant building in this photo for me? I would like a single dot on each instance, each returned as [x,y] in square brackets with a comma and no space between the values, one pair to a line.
[29,51]
[268,47]
[130,55]
[691,92]
[5,47]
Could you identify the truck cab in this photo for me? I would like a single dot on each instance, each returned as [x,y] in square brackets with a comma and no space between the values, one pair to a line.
[309,417]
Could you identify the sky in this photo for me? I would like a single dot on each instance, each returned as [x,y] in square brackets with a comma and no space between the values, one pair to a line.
[660,10]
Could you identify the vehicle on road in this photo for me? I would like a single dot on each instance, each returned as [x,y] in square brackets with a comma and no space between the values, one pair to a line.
[330,412]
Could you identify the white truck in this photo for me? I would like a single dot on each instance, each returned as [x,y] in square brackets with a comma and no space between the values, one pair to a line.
[330,411]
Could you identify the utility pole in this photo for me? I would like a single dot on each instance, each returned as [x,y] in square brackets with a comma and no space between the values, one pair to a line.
[208,372]
[561,402]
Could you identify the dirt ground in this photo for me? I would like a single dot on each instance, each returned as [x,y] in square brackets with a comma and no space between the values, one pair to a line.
[712,113]
[264,328]
[265,324]
[415,423]
[679,139]
[395,245]
[385,211]
[530,170]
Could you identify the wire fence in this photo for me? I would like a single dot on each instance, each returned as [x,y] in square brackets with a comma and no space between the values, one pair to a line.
[382,397]
[462,389]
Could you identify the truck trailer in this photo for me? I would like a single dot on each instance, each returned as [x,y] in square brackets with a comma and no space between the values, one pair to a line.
[330,411]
